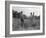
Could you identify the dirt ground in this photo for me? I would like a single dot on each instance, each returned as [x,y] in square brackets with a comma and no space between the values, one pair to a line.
[28,24]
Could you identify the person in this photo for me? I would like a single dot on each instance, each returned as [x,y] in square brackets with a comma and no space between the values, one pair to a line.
[22,19]
[31,18]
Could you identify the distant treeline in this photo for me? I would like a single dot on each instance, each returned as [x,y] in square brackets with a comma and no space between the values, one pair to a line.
[17,15]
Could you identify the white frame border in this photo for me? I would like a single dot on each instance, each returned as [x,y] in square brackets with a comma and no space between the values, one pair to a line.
[23,32]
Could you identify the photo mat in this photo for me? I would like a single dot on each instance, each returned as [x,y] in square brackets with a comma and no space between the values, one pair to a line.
[30,20]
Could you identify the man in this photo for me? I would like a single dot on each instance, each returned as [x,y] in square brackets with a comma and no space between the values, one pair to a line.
[22,19]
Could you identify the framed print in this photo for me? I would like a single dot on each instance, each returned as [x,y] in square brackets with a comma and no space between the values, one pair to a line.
[24,18]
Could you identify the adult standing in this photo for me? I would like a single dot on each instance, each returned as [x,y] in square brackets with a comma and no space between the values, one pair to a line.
[22,19]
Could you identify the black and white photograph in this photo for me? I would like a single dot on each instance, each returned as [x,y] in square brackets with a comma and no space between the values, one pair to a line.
[24,18]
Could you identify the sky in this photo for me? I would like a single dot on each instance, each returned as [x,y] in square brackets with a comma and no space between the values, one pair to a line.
[28,10]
